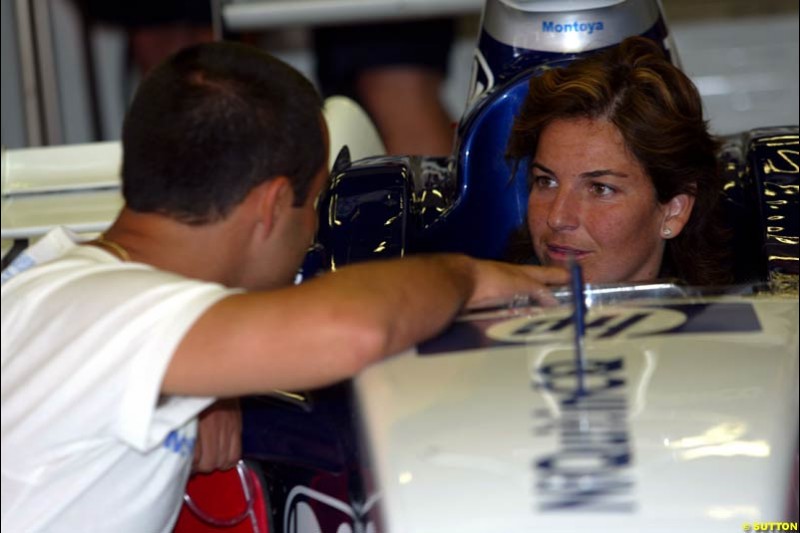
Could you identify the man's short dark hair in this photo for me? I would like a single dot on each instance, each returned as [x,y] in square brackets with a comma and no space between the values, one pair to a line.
[213,122]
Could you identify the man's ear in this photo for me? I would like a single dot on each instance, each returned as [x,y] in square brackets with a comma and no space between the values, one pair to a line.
[275,197]
[676,214]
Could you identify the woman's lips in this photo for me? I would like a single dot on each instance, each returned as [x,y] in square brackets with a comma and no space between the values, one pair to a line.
[565,253]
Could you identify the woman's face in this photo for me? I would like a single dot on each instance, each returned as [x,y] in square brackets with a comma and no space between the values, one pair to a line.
[591,200]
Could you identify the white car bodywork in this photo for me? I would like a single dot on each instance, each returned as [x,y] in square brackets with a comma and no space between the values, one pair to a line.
[694,431]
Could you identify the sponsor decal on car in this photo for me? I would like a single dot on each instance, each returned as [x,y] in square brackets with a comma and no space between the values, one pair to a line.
[541,326]
[311,510]
[590,469]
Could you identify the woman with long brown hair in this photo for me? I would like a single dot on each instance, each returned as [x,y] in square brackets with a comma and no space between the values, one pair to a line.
[623,170]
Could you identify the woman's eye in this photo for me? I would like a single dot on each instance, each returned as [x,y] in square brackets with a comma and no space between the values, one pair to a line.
[540,181]
[601,189]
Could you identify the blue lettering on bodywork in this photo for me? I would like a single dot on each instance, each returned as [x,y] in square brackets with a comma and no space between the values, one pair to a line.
[589,471]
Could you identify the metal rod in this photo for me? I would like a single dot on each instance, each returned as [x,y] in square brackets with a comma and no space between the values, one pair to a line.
[579,321]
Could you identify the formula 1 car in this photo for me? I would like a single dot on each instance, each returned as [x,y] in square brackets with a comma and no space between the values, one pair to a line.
[682,415]
[688,416]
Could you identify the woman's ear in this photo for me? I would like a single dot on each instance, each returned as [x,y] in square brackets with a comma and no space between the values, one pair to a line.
[676,214]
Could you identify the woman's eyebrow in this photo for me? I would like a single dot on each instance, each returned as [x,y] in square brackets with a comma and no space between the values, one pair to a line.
[603,172]
[585,175]
[543,168]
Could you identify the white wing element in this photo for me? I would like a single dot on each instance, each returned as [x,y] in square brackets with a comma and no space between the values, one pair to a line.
[76,186]
[61,168]
[349,124]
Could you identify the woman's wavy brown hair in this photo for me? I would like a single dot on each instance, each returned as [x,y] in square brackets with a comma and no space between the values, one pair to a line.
[658,110]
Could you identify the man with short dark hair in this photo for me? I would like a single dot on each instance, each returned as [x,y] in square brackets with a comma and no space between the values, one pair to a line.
[112,348]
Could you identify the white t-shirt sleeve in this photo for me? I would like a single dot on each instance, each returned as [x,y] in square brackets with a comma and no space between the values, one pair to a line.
[90,327]
[86,340]
[145,417]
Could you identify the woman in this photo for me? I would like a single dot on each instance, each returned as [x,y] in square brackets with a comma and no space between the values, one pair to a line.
[623,171]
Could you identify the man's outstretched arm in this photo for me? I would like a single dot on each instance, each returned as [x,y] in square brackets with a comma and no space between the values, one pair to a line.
[333,326]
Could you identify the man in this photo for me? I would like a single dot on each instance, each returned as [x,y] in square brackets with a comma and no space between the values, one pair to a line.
[111,350]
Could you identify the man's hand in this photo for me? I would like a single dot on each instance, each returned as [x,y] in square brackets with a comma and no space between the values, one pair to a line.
[219,437]
[495,280]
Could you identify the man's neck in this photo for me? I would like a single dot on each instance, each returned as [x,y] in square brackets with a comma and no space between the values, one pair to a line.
[209,252]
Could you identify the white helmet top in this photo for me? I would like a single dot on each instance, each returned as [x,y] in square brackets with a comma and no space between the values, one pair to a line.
[567,26]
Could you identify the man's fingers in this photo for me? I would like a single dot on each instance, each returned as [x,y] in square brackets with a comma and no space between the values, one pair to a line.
[548,275]
[198,454]
[235,452]
[496,282]
[218,445]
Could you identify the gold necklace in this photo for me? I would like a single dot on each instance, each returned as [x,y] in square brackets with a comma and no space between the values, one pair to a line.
[115,247]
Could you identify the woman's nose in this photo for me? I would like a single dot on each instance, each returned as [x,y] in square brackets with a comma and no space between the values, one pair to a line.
[564,212]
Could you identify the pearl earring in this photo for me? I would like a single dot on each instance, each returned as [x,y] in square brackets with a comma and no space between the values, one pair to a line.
[666,232]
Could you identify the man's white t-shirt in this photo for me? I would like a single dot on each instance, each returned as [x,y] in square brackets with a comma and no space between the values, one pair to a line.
[88,442]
